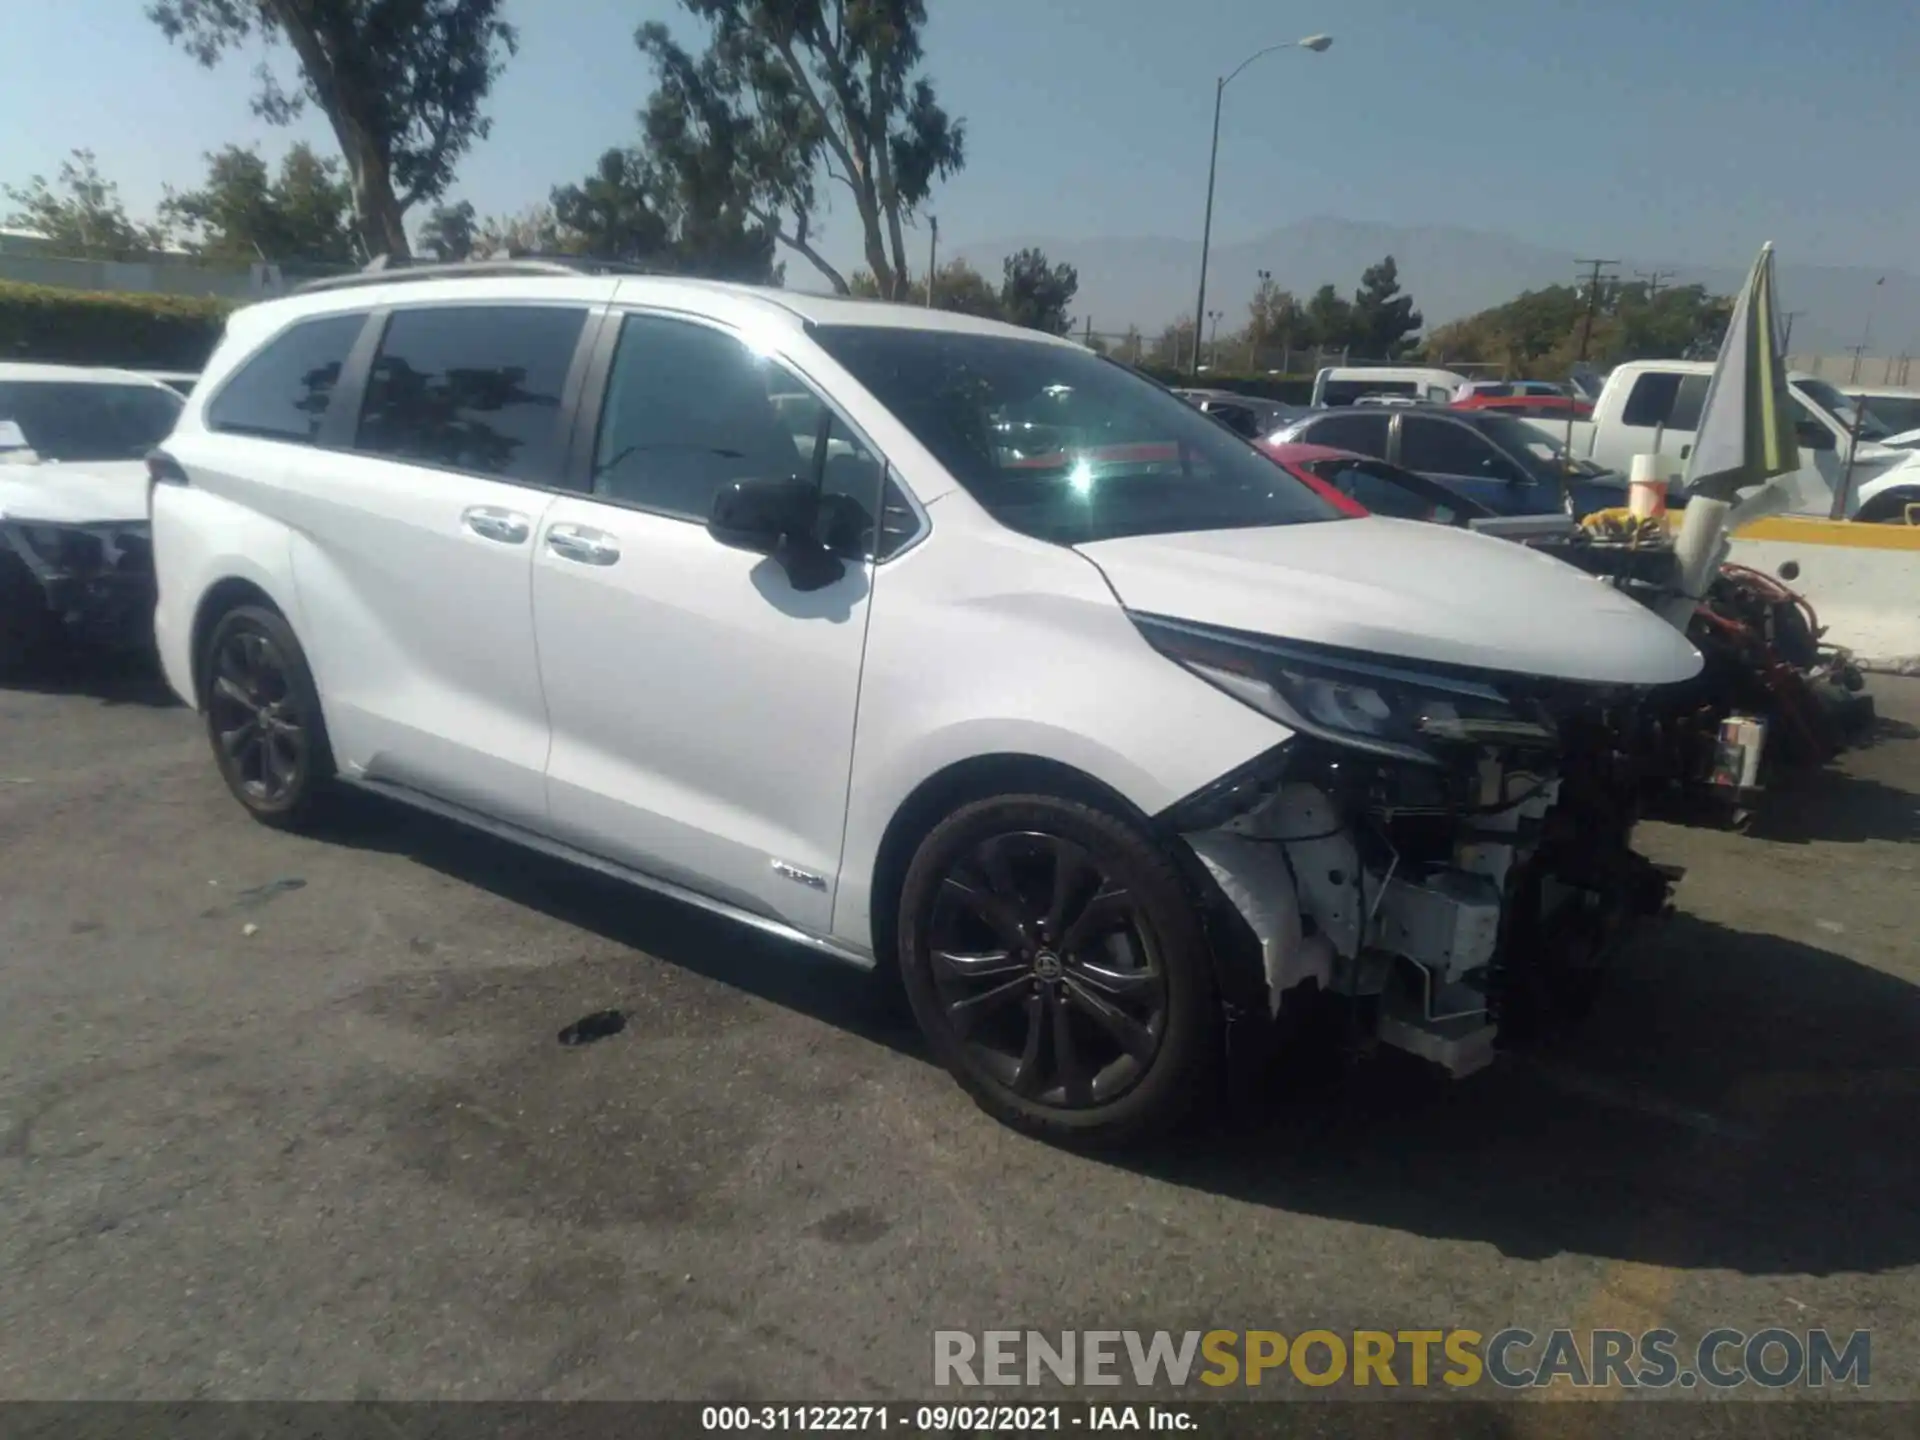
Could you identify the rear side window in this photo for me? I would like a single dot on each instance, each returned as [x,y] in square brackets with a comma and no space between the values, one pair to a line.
[284,391]
[1364,433]
[1664,398]
[474,388]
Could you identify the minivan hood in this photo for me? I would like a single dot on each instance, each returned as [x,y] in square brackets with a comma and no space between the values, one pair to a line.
[1404,589]
[91,492]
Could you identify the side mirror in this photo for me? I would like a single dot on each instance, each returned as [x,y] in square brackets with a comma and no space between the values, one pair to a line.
[776,518]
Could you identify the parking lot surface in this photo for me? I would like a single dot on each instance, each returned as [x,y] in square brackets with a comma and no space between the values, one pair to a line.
[287,1117]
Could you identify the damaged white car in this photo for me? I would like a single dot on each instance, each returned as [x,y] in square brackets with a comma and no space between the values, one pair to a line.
[1120,748]
[75,562]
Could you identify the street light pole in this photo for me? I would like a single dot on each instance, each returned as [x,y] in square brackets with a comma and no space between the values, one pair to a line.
[1315,43]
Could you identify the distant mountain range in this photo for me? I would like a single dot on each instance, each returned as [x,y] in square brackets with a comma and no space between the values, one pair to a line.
[1450,272]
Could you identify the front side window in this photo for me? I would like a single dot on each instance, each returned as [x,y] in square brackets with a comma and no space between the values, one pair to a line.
[1057,443]
[471,387]
[70,421]
[1383,490]
[690,410]
[1437,447]
[283,392]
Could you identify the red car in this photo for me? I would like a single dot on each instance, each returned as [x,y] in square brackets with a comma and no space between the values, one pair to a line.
[1355,485]
[1537,404]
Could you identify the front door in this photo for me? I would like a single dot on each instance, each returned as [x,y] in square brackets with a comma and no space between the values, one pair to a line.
[702,708]
[1467,463]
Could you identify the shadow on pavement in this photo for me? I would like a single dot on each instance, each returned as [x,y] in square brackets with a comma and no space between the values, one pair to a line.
[112,678]
[777,970]
[1739,1102]
[1833,805]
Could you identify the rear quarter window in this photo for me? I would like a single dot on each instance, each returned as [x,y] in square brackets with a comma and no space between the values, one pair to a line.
[284,391]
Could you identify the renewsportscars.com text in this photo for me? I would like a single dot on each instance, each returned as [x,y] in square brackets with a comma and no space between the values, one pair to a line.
[1513,1358]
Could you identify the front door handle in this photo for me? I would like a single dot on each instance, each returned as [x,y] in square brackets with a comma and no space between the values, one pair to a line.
[582,544]
[491,522]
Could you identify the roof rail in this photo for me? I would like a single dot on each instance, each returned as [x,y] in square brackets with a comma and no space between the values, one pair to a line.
[384,272]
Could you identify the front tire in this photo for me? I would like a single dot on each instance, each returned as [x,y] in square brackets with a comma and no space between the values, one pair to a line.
[263,718]
[1057,966]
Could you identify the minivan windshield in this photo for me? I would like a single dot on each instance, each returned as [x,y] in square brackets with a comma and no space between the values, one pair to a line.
[87,420]
[1843,408]
[1060,444]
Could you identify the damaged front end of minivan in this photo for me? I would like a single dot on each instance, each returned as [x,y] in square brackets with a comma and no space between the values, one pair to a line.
[1447,853]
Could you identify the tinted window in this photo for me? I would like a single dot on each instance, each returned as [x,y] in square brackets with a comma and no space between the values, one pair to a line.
[1236,418]
[1436,447]
[1898,413]
[283,392]
[1362,433]
[471,388]
[1651,399]
[1387,491]
[1688,400]
[1057,443]
[689,410]
[64,420]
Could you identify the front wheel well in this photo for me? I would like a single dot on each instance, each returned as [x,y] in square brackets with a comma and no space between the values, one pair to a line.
[939,795]
[226,595]
[1889,505]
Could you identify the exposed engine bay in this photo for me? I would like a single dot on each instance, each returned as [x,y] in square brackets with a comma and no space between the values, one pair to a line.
[92,583]
[1471,897]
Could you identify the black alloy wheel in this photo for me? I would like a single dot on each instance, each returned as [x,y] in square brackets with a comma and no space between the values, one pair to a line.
[1054,961]
[1045,970]
[263,717]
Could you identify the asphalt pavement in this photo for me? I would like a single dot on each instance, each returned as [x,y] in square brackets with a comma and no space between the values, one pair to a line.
[286,1117]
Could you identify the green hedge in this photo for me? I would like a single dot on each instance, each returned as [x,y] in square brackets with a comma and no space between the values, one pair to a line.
[132,329]
[1287,389]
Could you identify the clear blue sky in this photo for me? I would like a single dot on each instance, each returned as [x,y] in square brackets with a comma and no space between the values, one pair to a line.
[1679,129]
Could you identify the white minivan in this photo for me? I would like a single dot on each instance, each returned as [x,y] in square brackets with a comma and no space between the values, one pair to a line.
[1117,745]
[1344,384]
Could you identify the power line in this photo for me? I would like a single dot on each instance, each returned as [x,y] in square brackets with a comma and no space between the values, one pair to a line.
[1593,300]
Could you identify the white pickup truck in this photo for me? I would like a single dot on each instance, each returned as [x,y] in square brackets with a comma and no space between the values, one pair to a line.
[1650,407]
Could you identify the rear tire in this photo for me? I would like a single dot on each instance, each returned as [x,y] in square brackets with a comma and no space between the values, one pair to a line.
[1058,968]
[263,718]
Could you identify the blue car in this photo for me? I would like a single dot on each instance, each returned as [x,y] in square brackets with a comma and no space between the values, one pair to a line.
[1507,465]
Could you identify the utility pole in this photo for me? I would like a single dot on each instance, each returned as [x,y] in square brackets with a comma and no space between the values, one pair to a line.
[1866,335]
[1654,280]
[1593,301]
[933,246]
[1213,337]
[1786,331]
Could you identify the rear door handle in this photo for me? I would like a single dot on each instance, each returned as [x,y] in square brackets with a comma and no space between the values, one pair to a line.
[582,544]
[491,522]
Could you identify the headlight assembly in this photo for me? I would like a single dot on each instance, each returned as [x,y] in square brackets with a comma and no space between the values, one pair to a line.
[61,548]
[1404,713]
